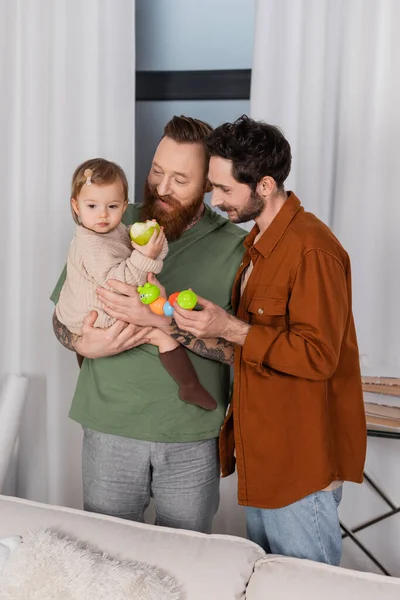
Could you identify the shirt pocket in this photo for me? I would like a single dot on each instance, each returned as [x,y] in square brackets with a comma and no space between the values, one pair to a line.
[268,310]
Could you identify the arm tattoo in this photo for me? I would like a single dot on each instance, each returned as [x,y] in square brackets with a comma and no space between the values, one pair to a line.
[63,334]
[224,354]
[181,336]
[217,349]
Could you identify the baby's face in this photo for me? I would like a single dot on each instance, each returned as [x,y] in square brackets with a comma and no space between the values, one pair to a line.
[100,207]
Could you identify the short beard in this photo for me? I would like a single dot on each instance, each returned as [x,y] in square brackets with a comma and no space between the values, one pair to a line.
[253,209]
[175,221]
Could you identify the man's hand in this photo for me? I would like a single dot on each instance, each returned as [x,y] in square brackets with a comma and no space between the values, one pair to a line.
[126,306]
[211,322]
[97,343]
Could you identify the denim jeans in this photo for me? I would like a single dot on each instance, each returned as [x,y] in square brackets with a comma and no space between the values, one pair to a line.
[121,474]
[308,528]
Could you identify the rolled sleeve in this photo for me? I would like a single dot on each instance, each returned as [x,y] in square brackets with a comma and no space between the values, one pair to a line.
[256,346]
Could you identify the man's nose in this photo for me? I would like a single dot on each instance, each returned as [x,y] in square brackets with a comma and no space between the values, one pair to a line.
[164,188]
[216,199]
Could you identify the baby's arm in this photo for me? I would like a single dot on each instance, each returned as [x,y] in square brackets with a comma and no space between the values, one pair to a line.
[102,264]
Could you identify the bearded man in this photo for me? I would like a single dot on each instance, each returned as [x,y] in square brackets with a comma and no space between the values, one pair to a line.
[140,439]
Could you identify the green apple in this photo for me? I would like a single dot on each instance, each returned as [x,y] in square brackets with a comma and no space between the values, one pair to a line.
[140,233]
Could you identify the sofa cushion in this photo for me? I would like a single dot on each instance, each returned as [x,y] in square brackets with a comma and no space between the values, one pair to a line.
[281,578]
[207,566]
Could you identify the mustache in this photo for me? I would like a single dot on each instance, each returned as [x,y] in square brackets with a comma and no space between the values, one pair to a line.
[176,218]
[166,199]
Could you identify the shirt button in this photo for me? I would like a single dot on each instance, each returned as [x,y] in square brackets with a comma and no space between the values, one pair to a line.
[260,311]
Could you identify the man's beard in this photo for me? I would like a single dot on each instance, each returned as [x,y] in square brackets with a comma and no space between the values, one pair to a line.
[252,209]
[175,219]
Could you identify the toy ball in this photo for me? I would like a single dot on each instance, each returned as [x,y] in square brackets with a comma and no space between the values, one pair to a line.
[168,310]
[173,297]
[140,233]
[187,299]
[158,305]
[148,293]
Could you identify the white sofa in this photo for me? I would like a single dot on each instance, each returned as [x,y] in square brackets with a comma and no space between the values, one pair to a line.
[215,567]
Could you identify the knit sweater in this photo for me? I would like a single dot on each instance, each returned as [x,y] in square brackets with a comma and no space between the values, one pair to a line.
[93,259]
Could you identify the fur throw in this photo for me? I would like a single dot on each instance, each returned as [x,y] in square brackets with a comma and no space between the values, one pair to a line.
[46,565]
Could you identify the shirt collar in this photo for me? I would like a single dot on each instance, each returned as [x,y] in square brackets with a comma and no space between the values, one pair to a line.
[275,231]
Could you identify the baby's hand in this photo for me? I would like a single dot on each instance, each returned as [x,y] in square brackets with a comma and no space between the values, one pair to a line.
[154,246]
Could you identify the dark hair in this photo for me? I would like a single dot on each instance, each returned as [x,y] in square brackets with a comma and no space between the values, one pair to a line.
[256,150]
[102,172]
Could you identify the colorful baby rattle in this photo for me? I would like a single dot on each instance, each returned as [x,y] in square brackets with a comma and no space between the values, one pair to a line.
[150,294]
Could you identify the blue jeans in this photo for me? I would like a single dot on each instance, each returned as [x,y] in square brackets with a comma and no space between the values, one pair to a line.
[308,528]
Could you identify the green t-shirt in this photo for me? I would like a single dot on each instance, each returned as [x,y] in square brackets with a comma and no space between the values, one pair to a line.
[131,394]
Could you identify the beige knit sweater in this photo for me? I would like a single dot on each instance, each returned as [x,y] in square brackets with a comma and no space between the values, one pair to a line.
[93,259]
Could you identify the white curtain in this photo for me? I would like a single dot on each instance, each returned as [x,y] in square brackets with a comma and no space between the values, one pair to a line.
[67,72]
[327,72]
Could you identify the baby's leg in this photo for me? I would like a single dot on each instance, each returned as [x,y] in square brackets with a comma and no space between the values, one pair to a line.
[177,363]
[161,339]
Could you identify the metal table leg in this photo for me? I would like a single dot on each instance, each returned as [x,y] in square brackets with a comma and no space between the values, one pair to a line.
[351,532]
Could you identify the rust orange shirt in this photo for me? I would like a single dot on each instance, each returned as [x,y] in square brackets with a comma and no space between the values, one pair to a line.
[297,415]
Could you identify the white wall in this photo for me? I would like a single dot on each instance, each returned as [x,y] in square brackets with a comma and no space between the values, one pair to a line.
[194,35]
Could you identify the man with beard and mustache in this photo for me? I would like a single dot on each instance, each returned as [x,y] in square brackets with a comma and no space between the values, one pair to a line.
[140,439]
[296,426]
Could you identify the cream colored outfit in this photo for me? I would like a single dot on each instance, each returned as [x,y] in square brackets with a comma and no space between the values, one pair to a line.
[93,259]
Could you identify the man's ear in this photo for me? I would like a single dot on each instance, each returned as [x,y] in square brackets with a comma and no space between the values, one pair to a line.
[209,186]
[266,186]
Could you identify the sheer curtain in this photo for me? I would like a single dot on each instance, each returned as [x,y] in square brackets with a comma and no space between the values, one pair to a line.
[67,70]
[327,72]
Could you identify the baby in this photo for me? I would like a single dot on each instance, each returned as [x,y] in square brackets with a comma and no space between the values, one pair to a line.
[102,250]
